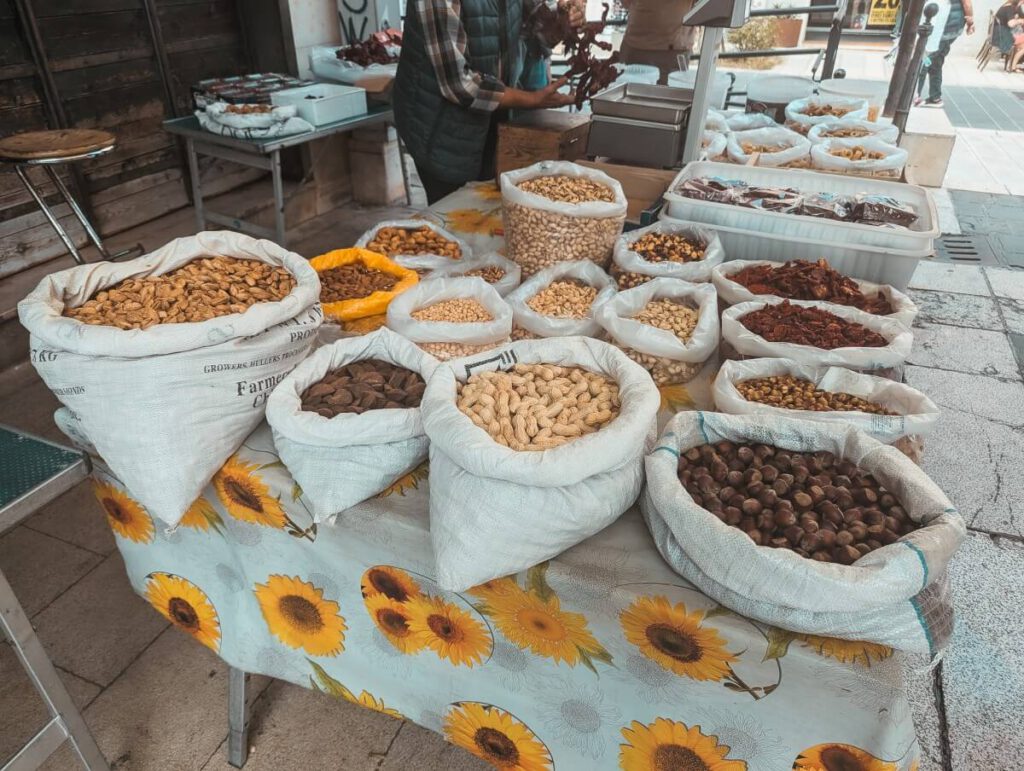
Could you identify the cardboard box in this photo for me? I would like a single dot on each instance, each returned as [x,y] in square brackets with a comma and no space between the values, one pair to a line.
[541,135]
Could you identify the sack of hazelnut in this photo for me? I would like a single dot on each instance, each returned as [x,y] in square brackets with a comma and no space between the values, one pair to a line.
[560,301]
[496,269]
[533,448]
[668,327]
[812,527]
[168,360]
[667,249]
[347,419]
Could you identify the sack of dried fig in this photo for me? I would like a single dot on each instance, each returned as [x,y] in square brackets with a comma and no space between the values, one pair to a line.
[367,431]
[168,397]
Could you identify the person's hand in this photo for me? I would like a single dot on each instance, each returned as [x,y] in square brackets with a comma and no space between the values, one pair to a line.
[970,25]
[577,10]
[549,96]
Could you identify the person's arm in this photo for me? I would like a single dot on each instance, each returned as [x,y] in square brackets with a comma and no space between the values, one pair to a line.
[969,15]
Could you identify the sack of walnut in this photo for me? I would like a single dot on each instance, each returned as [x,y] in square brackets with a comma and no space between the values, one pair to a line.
[668,327]
[497,270]
[398,239]
[890,412]
[555,211]
[341,460]
[165,404]
[495,510]
[560,301]
[896,594]
[452,317]
[867,157]
[667,249]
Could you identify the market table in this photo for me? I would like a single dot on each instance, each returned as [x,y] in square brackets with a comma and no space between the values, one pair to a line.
[257,153]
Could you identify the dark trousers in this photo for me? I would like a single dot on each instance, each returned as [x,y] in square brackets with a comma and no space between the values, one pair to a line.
[437,188]
[934,71]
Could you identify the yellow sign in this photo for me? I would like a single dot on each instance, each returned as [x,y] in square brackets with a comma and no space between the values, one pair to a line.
[883,13]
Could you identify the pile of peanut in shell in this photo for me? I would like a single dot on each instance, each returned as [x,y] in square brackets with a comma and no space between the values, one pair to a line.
[815,504]
[539,406]
[352,281]
[681,320]
[370,384]
[456,311]
[203,289]
[793,393]
[392,241]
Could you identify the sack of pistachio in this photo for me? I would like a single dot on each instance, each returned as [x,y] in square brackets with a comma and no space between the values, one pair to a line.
[168,360]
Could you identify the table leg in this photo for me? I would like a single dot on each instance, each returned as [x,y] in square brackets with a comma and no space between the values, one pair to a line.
[275,175]
[238,718]
[197,185]
[69,243]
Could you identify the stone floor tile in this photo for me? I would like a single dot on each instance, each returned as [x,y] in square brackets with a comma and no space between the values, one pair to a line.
[944,207]
[1013,314]
[76,517]
[944,277]
[31,409]
[977,351]
[972,395]
[296,728]
[960,310]
[923,706]
[22,712]
[40,568]
[983,673]
[102,609]
[424,750]
[1006,282]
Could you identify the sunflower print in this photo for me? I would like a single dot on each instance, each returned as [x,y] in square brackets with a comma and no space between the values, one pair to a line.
[675,398]
[491,591]
[392,619]
[666,745]
[125,516]
[839,757]
[368,700]
[448,630]
[392,582]
[486,191]
[406,482]
[246,496]
[676,639]
[366,324]
[202,516]
[297,614]
[488,223]
[496,736]
[846,651]
[186,606]
[321,681]
[541,625]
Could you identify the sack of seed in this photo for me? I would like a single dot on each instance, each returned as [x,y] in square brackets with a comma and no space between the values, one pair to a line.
[533,448]
[497,270]
[347,419]
[560,301]
[452,317]
[863,557]
[669,248]
[412,238]
[668,327]
[168,360]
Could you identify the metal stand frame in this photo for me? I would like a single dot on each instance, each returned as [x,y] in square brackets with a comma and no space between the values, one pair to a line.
[238,718]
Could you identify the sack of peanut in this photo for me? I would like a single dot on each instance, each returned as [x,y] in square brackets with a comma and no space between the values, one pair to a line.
[669,248]
[555,211]
[533,448]
[168,360]
[560,301]
[347,419]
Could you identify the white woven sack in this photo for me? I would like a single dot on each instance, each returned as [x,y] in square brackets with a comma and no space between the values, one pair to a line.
[797,146]
[797,119]
[886,132]
[495,511]
[732,292]
[511,193]
[917,414]
[894,354]
[219,112]
[504,285]
[714,145]
[427,265]
[746,121]
[294,125]
[551,326]
[897,595]
[716,122]
[341,461]
[368,236]
[435,290]
[166,406]
[889,166]
[628,261]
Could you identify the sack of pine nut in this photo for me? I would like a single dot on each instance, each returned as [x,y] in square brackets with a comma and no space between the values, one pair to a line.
[669,248]
[560,301]
[167,404]
[495,510]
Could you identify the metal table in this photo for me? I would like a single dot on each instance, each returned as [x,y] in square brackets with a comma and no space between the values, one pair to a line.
[256,153]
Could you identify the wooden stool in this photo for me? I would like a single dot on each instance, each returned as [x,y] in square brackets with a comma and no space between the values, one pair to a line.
[49,149]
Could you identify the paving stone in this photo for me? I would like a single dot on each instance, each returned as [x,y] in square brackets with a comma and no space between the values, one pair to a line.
[983,673]
[296,728]
[22,711]
[424,750]
[1006,282]
[102,609]
[1013,314]
[976,396]
[944,207]
[961,310]
[944,277]
[40,568]
[76,517]
[927,722]
[31,409]
[977,351]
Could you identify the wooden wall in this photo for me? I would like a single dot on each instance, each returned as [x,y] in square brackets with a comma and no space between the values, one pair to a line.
[106,72]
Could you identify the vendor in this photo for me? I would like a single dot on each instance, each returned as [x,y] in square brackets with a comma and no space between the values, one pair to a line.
[655,34]
[460,60]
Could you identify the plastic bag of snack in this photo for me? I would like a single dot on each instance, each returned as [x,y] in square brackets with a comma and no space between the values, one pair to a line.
[497,270]
[770,146]
[869,157]
[803,114]
[382,279]
[853,128]
[542,310]
[668,249]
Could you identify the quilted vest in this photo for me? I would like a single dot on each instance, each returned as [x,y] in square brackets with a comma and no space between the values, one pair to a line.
[445,139]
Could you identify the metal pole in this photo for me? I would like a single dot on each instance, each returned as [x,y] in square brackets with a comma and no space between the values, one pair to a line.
[275,179]
[924,31]
[238,718]
[702,93]
[69,242]
[197,185]
[901,68]
[835,33]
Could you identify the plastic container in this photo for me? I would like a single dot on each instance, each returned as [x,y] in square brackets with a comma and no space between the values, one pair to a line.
[638,73]
[719,85]
[771,93]
[323,103]
[873,91]
[917,238]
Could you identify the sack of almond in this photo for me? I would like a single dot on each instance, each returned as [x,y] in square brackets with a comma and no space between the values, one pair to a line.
[347,419]
[452,317]
[560,301]
[413,238]
[667,249]
[168,360]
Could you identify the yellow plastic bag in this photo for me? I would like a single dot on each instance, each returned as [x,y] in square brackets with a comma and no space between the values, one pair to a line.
[373,304]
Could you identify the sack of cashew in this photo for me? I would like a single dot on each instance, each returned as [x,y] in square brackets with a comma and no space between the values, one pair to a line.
[496,269]
[496,510]
[669,248]
[555,211]
[452,317]
[341,460]
[895,592]
[668,327]
[166,403]
[560,301]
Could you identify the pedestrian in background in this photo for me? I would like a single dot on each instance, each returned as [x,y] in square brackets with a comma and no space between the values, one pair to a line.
[961,16]
[655,34]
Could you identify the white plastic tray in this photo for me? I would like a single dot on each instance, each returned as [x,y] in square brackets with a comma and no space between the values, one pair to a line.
[917,238]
